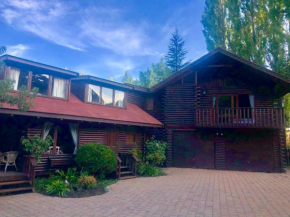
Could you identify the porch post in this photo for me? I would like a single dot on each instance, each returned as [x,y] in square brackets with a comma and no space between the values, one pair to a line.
[54,140]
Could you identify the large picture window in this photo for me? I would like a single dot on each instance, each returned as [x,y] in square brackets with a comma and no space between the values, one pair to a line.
[40,81]
[59,87]
[107,96]
[20,77]
[94,93]
[119,98]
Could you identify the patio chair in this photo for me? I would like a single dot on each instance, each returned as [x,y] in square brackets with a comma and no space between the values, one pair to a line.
[2,158]
[10,158]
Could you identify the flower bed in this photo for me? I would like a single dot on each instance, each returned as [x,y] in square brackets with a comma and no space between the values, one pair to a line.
[71,184]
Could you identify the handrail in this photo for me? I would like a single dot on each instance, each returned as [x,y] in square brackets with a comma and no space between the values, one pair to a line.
[135,164]
[118,169]
[240,117]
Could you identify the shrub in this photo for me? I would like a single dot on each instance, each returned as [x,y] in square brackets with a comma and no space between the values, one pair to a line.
[137,153]
[87,182]
[36,145]
[96,159]
[155,151]
[148,170]
[57,187]
[71,175]
[41,183]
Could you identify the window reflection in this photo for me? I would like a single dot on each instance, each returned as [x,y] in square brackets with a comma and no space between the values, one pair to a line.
[107,96]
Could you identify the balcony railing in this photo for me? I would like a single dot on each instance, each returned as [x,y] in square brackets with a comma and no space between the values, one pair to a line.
[241,117]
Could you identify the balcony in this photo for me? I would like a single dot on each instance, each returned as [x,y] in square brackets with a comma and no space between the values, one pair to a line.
[241,117]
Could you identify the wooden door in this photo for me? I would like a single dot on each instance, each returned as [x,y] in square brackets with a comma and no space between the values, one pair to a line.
[112,138]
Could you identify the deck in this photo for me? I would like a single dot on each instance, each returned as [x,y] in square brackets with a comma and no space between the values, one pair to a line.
[241,118]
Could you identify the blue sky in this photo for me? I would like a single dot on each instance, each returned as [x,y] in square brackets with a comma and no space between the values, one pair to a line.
[103,38]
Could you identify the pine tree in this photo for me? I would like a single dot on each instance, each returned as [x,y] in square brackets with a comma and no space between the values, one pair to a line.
[176,52]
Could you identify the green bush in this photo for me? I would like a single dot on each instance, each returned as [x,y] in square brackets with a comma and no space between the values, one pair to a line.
[87,182]
[155,152]
[36,145]
[71,175]
[57,187]
[96,159]
[137,153]
[144,169]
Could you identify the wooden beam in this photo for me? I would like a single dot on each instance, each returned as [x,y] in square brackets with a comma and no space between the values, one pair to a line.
[54,140]
[218,66]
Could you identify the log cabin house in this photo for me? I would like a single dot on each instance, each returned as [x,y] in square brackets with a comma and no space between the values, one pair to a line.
[219,112]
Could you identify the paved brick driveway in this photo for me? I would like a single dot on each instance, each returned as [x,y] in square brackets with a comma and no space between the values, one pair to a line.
[183,192]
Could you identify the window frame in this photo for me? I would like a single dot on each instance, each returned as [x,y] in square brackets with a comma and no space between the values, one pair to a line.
[101,92]
[50,83]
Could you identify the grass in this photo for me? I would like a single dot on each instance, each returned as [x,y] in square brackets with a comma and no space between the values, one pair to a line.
[106,182]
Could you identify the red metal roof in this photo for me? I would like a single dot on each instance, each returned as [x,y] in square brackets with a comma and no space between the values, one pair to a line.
[75,109]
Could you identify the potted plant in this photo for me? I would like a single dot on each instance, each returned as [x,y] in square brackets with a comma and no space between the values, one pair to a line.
[36,146]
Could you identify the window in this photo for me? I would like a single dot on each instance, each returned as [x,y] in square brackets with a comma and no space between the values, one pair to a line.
[20,77]
[94,93]
[59,87]
[40,81]
[107,96]
[227,101]
[149,104]
[119,98]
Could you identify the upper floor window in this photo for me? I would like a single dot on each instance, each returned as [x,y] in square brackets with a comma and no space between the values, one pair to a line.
[20,77]
[105,96]
[40,81]
[149,104]
[58,86]
[94,93]
[119,98]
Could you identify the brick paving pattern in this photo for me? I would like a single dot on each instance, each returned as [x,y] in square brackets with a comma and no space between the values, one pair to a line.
[183,192]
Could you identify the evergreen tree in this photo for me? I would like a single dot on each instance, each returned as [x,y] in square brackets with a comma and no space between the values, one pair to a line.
[176,52]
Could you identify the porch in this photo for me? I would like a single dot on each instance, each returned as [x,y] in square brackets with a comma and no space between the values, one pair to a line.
[240,117]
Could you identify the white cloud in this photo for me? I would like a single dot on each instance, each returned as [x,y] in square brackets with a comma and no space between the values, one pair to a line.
[78,28]
[17,50]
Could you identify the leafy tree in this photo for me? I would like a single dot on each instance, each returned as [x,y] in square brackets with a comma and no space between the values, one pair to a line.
[176,52]
[23,100]
[154,74]
[128,79]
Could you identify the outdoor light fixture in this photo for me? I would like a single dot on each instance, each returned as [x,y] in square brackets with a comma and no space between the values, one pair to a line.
[204,92]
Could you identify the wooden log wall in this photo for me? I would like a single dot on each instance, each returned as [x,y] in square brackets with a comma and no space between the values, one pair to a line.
[98,135]
[179,101]
[34,131]
[136,98]
[220,153]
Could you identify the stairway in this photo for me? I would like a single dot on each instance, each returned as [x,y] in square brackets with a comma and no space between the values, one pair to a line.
[16,185]
[126,173]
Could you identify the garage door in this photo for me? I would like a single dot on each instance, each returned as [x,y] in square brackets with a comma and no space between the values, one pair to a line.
[192,149]
[250,150]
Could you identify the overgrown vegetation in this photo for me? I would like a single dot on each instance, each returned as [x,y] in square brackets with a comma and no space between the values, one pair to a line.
[36,145]
[154,157]
[96,159]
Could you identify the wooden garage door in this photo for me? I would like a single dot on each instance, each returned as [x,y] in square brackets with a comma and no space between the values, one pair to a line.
[250,150]
[192,149]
